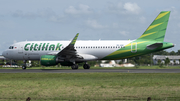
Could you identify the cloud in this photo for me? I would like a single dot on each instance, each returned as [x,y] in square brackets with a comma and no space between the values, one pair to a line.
[142,19]
[32,15]
[81,9]
[115,8]
[115,25]
[57,19]
[124,33]
[49,15]
[46,13]
[28,15]
[94,24]
[132,8]
[124,8]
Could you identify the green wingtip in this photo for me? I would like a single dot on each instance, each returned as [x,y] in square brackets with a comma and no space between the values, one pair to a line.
[74,40]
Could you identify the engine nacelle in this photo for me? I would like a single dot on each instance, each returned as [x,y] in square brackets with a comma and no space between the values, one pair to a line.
[48,60]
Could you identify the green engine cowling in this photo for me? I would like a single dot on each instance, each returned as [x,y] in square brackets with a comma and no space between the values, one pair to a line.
[48,60]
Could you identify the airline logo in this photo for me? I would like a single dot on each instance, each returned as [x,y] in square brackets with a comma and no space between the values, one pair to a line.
[42,46]
[47,59]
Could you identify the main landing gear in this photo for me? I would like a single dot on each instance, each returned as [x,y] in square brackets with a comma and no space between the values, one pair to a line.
[85,66]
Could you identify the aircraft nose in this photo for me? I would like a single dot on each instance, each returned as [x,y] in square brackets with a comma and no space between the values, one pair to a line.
[3,53]
[7,54]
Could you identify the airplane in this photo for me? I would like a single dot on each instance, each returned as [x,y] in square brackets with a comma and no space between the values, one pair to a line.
[70,53]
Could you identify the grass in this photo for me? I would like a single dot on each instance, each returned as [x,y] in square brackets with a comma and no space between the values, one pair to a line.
[89,86]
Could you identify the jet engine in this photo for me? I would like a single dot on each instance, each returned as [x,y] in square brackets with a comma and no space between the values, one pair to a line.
[48,60]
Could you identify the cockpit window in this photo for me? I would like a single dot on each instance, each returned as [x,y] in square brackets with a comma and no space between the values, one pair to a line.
[11,47]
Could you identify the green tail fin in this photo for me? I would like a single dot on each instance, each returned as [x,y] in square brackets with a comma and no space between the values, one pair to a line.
[156,31]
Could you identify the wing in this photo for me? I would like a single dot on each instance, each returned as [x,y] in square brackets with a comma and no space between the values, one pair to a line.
[69,52]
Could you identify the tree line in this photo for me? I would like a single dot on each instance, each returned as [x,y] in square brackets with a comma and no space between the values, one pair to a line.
[147,59]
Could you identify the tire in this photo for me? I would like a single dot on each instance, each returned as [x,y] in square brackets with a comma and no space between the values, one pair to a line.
[74,67]
[86,66]
[24,67]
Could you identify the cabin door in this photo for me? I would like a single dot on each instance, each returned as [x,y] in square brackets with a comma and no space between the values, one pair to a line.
[20,49]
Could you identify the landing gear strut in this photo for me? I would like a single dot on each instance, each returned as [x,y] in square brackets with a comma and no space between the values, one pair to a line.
[24,65]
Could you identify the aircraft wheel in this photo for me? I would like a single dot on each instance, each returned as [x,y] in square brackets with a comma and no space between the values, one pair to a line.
[75,66]
[86,66]
[24,67]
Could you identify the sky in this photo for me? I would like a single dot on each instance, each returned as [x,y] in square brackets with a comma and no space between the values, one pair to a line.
[55,20]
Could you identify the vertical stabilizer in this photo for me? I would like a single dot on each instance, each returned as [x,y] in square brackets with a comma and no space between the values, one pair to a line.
[156,31]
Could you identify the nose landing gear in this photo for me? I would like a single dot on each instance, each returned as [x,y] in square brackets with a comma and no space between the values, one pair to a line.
[24,65]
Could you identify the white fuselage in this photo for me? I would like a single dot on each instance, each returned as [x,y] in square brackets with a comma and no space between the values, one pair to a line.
[33,50]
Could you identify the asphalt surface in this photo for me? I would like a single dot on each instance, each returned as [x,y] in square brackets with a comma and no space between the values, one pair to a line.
[90,70]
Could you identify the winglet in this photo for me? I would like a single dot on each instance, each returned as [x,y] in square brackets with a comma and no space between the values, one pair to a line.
[74,40]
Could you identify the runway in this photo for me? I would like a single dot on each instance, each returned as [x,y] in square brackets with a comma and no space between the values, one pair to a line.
[90,71]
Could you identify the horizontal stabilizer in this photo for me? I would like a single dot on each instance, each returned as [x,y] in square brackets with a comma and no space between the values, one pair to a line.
[154,46]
